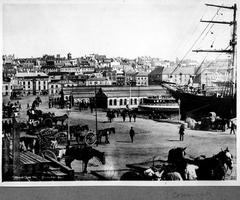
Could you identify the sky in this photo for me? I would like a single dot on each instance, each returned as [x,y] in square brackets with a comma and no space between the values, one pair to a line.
[127,28]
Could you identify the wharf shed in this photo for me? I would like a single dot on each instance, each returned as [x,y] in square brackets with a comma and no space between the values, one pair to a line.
[116,97]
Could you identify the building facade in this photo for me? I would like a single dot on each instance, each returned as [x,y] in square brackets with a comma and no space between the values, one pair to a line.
[33,83]
[142,79]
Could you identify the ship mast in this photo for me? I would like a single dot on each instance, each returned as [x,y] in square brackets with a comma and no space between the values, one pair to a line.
[233,41]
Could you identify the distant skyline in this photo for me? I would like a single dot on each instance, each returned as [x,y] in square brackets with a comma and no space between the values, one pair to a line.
[158,28]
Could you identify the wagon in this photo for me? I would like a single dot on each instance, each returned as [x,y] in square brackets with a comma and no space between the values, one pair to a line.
[51,141]
[83,135]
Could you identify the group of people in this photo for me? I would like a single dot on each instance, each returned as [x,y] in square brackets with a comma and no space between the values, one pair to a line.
[130,115]
[111,114]
[182,130]
[10,109]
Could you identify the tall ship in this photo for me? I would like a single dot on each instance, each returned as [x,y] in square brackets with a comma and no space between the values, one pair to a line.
[196,103]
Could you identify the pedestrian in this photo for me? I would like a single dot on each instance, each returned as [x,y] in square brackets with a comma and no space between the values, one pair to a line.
[134,117]
[131,133]
[123,116]
[233,126]
[27,105]
[181,132]
[130,116]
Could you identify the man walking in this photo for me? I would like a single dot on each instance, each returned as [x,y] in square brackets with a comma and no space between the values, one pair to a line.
[134,116]
[132,133]
[232,128]
[130,116]
[181,132]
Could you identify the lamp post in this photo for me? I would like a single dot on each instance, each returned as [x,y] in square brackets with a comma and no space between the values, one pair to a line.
[179,113]
[68,132]
[95,102]
[130,92]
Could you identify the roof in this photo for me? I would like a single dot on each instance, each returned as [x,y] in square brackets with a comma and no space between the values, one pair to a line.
[49,67]
[182,70]
[135,91]
[142,74]
[97,79]
[56,73]
[157,70]
[30,74]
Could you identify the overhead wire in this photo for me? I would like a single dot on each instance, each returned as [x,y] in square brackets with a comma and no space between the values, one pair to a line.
[194,42]
[194,30]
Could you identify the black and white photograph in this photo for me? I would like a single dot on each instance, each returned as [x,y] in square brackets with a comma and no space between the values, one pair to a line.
[124,91]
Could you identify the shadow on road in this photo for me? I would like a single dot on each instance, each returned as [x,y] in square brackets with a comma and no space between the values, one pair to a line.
[124,141]
[173,140]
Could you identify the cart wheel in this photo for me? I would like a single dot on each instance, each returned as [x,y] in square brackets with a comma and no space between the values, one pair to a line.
[90,138]
[49,153]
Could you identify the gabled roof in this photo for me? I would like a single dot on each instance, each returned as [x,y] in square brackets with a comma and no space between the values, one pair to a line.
[157,70]
[142,74]
[31,74]
[97,79]
[182,70]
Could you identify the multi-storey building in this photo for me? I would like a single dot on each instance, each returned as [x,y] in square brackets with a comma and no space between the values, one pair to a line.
[33,83]
[142,79]
[98,81]
[6,88]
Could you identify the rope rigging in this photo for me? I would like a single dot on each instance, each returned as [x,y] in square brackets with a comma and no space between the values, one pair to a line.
[194,42]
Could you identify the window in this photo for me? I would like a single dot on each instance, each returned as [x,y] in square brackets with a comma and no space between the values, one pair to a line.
[115,102]
[121,102]
[125,101]
[131,102]
[135,101]
[110,102]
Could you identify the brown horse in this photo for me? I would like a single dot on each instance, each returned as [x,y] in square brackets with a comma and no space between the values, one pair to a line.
[62,118]
[84,154]
[215,167]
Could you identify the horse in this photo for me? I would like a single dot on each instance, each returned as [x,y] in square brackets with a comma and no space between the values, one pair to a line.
[105,133]
[60,118]
[84,154]
[215,167]
[77,131]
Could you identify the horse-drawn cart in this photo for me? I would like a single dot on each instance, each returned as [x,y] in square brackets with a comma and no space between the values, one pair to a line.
[180,167]
[83,135]
[51,141]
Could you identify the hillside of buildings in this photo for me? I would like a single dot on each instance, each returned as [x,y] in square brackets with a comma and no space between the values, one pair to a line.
[49,74]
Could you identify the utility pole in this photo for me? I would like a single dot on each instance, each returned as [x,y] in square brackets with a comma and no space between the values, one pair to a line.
[95,102]
[179,111]
[16,150]
[233,41]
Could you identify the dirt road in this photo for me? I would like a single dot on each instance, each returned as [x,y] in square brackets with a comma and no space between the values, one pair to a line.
[152,139]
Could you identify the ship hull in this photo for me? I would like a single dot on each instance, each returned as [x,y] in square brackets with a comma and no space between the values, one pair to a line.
[197,106]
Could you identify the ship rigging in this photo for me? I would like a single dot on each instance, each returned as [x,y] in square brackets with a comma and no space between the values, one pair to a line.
[199,103]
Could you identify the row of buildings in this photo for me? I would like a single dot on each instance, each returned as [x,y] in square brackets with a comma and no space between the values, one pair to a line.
[48,74]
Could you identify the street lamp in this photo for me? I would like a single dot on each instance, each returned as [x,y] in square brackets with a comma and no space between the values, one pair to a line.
[130,92]
[68,132]
[179,115]
[95,102]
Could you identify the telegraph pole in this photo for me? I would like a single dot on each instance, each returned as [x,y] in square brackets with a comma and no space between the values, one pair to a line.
[16,150]
[233,41]
[95,102]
